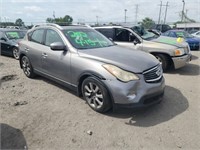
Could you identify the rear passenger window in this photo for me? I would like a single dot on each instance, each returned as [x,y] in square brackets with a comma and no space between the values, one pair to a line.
[51,37]
[37,36]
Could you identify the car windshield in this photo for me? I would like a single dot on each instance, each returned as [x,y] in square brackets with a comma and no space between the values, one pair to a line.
[86,38]
[15,34]
[149,35]
[144,34]
[183,34]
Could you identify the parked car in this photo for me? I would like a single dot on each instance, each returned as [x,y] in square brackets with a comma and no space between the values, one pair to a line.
[82,59]
[193,42]
[9,39]
[161,27]
[196,34]
[167,50]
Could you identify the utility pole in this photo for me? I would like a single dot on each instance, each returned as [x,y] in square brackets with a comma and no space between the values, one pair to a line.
[125,10]
[54,15]
[97,19]
[183,10]
[136,13]
[166,12]
[160,12]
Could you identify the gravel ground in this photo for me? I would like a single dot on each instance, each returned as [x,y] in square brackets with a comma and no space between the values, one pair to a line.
[40,114]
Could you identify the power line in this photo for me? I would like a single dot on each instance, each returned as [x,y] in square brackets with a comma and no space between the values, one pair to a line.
[136,13]
[166,12]
[160,12]
[161,5]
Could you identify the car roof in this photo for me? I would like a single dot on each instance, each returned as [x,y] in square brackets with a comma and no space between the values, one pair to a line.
[6,29]
[52,25]
[109,27]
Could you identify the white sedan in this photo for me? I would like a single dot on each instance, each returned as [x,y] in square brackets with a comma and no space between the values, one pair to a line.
[196,34]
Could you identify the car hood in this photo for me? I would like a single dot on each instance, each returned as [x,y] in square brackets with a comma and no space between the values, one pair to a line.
[128,59]
[14,41]
[193,40]
[171,41]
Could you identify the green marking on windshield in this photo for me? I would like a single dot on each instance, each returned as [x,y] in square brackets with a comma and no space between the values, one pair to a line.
[180,34]
[12,35]
[83,39]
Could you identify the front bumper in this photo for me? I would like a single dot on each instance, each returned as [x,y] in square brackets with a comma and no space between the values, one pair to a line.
[181,60]
[135,93]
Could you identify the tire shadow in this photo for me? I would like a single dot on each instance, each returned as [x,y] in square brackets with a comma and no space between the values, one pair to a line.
[173,104]
[189,69]
[12,138]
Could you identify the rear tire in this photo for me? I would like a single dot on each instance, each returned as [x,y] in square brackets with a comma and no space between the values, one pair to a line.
[96,95]
[164,61]
[27,67]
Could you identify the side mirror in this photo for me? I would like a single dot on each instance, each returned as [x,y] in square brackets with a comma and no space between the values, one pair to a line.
[110,39]
[3,39]
[57,46]
[135,42]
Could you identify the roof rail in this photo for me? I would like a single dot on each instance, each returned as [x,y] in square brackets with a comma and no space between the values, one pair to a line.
[47,24]
[57,25]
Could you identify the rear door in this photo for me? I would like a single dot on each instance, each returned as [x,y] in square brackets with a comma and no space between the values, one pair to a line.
[33,48]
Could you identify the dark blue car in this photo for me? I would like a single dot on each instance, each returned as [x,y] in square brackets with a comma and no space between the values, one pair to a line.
[9,39]
[193,42]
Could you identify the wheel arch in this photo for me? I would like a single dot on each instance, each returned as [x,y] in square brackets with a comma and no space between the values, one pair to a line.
[171,63]
[87,74]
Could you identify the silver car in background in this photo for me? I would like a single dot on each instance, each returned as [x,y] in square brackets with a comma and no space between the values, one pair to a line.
[170,52]
[84,60]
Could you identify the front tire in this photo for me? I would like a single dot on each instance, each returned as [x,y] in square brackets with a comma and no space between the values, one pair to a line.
[164,61]
[27,68]
[96,95]
[15,53]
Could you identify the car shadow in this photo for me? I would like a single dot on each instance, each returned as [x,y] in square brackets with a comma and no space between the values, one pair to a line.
[189,69]
[194,57]
[173,104]
[12,138]
[49,81]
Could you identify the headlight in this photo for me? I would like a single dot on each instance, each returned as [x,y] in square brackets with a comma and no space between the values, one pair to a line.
[179,52]
[120,74]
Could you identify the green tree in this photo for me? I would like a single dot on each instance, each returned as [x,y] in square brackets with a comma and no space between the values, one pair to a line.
[147,23]
[66,20]
[19,22]
[50,20]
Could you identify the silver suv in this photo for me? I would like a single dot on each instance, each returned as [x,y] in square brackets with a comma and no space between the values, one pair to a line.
[84,60]
[170,52]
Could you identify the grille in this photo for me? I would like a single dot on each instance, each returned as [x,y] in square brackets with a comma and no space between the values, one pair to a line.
[154,74]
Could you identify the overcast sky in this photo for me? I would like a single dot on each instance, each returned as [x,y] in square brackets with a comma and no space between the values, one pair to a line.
[35,11]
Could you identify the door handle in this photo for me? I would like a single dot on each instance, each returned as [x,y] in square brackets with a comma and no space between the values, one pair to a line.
[26,49]
[44,55]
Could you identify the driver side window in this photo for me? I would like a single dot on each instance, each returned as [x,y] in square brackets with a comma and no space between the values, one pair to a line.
[51,37]
[124,35]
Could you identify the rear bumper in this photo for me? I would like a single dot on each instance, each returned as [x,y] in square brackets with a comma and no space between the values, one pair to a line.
[181,61]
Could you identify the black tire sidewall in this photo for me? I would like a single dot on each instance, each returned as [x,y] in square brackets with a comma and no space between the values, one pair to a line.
[106,98]
[163,60]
